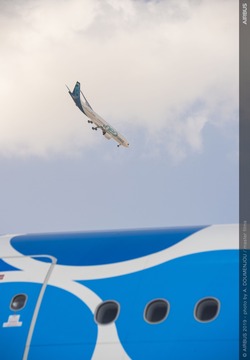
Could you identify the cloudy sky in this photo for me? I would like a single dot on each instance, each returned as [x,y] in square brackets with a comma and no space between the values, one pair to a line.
[163,72]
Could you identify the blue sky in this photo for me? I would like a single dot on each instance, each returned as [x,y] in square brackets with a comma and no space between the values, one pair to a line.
[164,73]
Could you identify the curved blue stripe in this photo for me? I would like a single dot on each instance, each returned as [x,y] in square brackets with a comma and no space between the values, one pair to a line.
[98,248]
[6,267]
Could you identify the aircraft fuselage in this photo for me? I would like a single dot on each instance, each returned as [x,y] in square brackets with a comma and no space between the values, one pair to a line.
[119,295]
[107,130]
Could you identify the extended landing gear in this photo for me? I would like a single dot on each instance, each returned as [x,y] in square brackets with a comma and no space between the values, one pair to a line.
[90,122]
[94,128]
[118,145]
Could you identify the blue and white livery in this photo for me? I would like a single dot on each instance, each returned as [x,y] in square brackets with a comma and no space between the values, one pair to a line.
[108,131]
[118,295]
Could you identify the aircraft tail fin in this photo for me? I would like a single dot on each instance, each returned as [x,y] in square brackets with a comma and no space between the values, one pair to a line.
[76,92]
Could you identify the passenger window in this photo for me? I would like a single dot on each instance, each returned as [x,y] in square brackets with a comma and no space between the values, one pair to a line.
[18,302]
[207,309]
[156,311]
[107,312]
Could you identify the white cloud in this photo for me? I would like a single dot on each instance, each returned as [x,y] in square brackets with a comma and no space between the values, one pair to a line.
[141,65]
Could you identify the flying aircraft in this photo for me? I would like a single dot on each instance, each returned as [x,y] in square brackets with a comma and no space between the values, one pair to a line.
[168,293]
[108,131]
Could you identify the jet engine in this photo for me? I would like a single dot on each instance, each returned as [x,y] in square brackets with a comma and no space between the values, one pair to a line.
[107,136]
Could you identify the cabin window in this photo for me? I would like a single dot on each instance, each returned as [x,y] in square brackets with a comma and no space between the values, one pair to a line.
[207,309]
[156,311]
[18,302]
[107,312]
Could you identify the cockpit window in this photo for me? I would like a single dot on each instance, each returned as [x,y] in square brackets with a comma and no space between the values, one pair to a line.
[207,309]
[156,311]
[18,302]
[107,312]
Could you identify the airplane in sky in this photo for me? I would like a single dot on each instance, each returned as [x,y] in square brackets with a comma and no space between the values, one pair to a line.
[134,294]
[108,131]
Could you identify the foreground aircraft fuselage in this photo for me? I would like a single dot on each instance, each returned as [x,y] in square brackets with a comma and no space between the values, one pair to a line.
[117,295]
[108,131]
